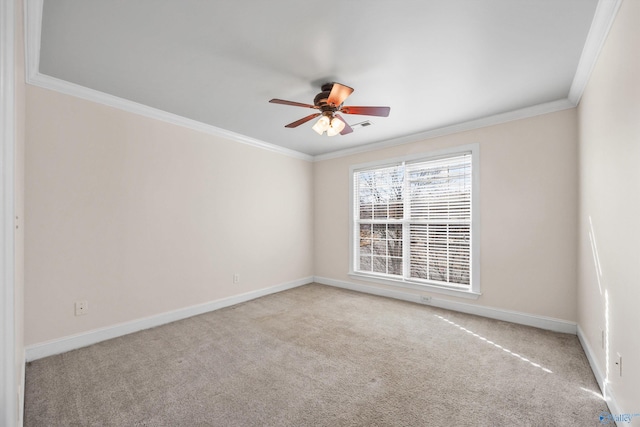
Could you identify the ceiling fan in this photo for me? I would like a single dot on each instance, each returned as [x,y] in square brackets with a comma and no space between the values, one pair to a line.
[329,102]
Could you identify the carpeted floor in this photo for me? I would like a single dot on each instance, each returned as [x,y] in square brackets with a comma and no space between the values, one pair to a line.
[320,356]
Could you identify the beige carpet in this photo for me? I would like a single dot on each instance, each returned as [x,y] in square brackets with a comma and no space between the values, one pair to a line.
[320,356]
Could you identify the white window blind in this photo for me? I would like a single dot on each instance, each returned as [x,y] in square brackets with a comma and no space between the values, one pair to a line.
[439,194]
[413,221]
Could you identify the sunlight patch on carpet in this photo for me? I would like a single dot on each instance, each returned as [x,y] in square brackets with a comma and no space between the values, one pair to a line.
[506,350]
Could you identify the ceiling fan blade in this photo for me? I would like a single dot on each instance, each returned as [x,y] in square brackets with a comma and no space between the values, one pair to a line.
[347,129]
[338,94]
[292,103]
[302,120]
[367,111]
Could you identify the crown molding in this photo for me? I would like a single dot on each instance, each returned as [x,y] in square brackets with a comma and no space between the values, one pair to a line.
[82,92]
[523,113]
[33,25]
[605,14]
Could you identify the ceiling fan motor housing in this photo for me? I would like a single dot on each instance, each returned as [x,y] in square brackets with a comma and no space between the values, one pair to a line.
[321,99]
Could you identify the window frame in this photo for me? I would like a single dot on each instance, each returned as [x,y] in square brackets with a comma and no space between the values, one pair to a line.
[473,290]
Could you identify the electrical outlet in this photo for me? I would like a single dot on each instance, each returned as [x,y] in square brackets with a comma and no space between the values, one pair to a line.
[82,308]
[619,363]
[425,299]
[236,278]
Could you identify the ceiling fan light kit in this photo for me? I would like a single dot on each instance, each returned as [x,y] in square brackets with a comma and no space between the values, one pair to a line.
[336,127]
[329,124]
[322,125]
[330,103]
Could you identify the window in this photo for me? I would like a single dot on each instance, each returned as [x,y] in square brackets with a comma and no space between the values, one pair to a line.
[414,221]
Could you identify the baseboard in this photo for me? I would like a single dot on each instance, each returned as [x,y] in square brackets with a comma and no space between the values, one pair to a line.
[21,390]
[541,322]
[50,348]
[601,379]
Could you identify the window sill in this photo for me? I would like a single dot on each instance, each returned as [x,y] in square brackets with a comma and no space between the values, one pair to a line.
[462,293]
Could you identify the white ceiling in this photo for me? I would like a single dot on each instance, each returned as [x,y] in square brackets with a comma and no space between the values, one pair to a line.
[436,63]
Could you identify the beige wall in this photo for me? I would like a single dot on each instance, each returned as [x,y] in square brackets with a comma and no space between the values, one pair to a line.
[609,123]
[140,217]
[528,193]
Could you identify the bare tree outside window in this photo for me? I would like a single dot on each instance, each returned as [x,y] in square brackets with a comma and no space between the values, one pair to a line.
[380,210]
[425,206]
